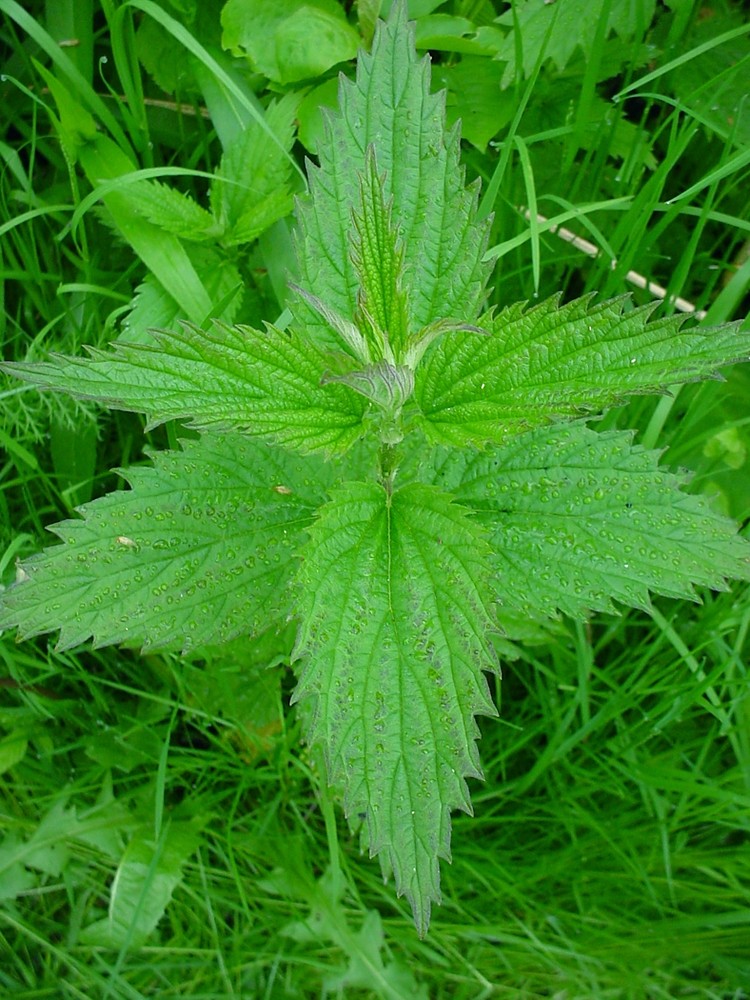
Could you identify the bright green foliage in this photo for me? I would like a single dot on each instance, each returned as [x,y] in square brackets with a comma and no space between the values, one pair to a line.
[378,262]
[189,249]
[390,107]
[249,192]
[252,188]
[555,31]
[196,552]
[147,875]
[153,308]
[47,850]
[476,97]
[308,36]
[398,573]
[269,384]
[551,361]
[577,519]
[724,106]
[394,637]
[173,211]
[103,160]
[328,919]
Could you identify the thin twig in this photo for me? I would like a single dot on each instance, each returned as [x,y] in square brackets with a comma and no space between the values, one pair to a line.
[632,276]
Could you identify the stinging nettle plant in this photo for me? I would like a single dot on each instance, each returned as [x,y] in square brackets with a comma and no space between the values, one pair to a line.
[403,472]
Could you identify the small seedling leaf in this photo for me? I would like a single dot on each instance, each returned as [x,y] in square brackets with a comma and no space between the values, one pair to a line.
[148,874]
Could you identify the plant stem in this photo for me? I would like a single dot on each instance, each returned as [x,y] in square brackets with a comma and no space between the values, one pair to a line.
[388,459]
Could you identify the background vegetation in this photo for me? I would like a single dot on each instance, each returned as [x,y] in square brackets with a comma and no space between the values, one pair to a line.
[162,830]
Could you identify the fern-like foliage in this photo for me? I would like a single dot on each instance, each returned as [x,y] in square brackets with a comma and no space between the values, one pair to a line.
[479,495]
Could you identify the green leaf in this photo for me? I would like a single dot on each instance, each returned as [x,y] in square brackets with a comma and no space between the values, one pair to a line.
[153,308]
[390,105]
[378,259]
[172,211]
[631,20]
[578,519]
[257,218]
[198,551]
[387,385]
[446,33]
[161,252]
[47,849]
[241,688]
[164,59]
[310,114]
[475,97]
[558,29]
[267,384]
[712,83]
[349,333]
[144,883]
[102,159]
[329,920]
[15,878]
[550,361]
[288,40]
[13,750]
[367,969]
[393,605]
[367,15]
[252,187]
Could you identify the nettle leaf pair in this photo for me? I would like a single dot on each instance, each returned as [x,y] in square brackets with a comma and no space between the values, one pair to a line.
[401,473]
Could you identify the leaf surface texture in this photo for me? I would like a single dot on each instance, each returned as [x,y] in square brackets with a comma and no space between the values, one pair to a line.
[577,519]
[265,383]
[550,361]
[198,551]
[390,107]
[394,609]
